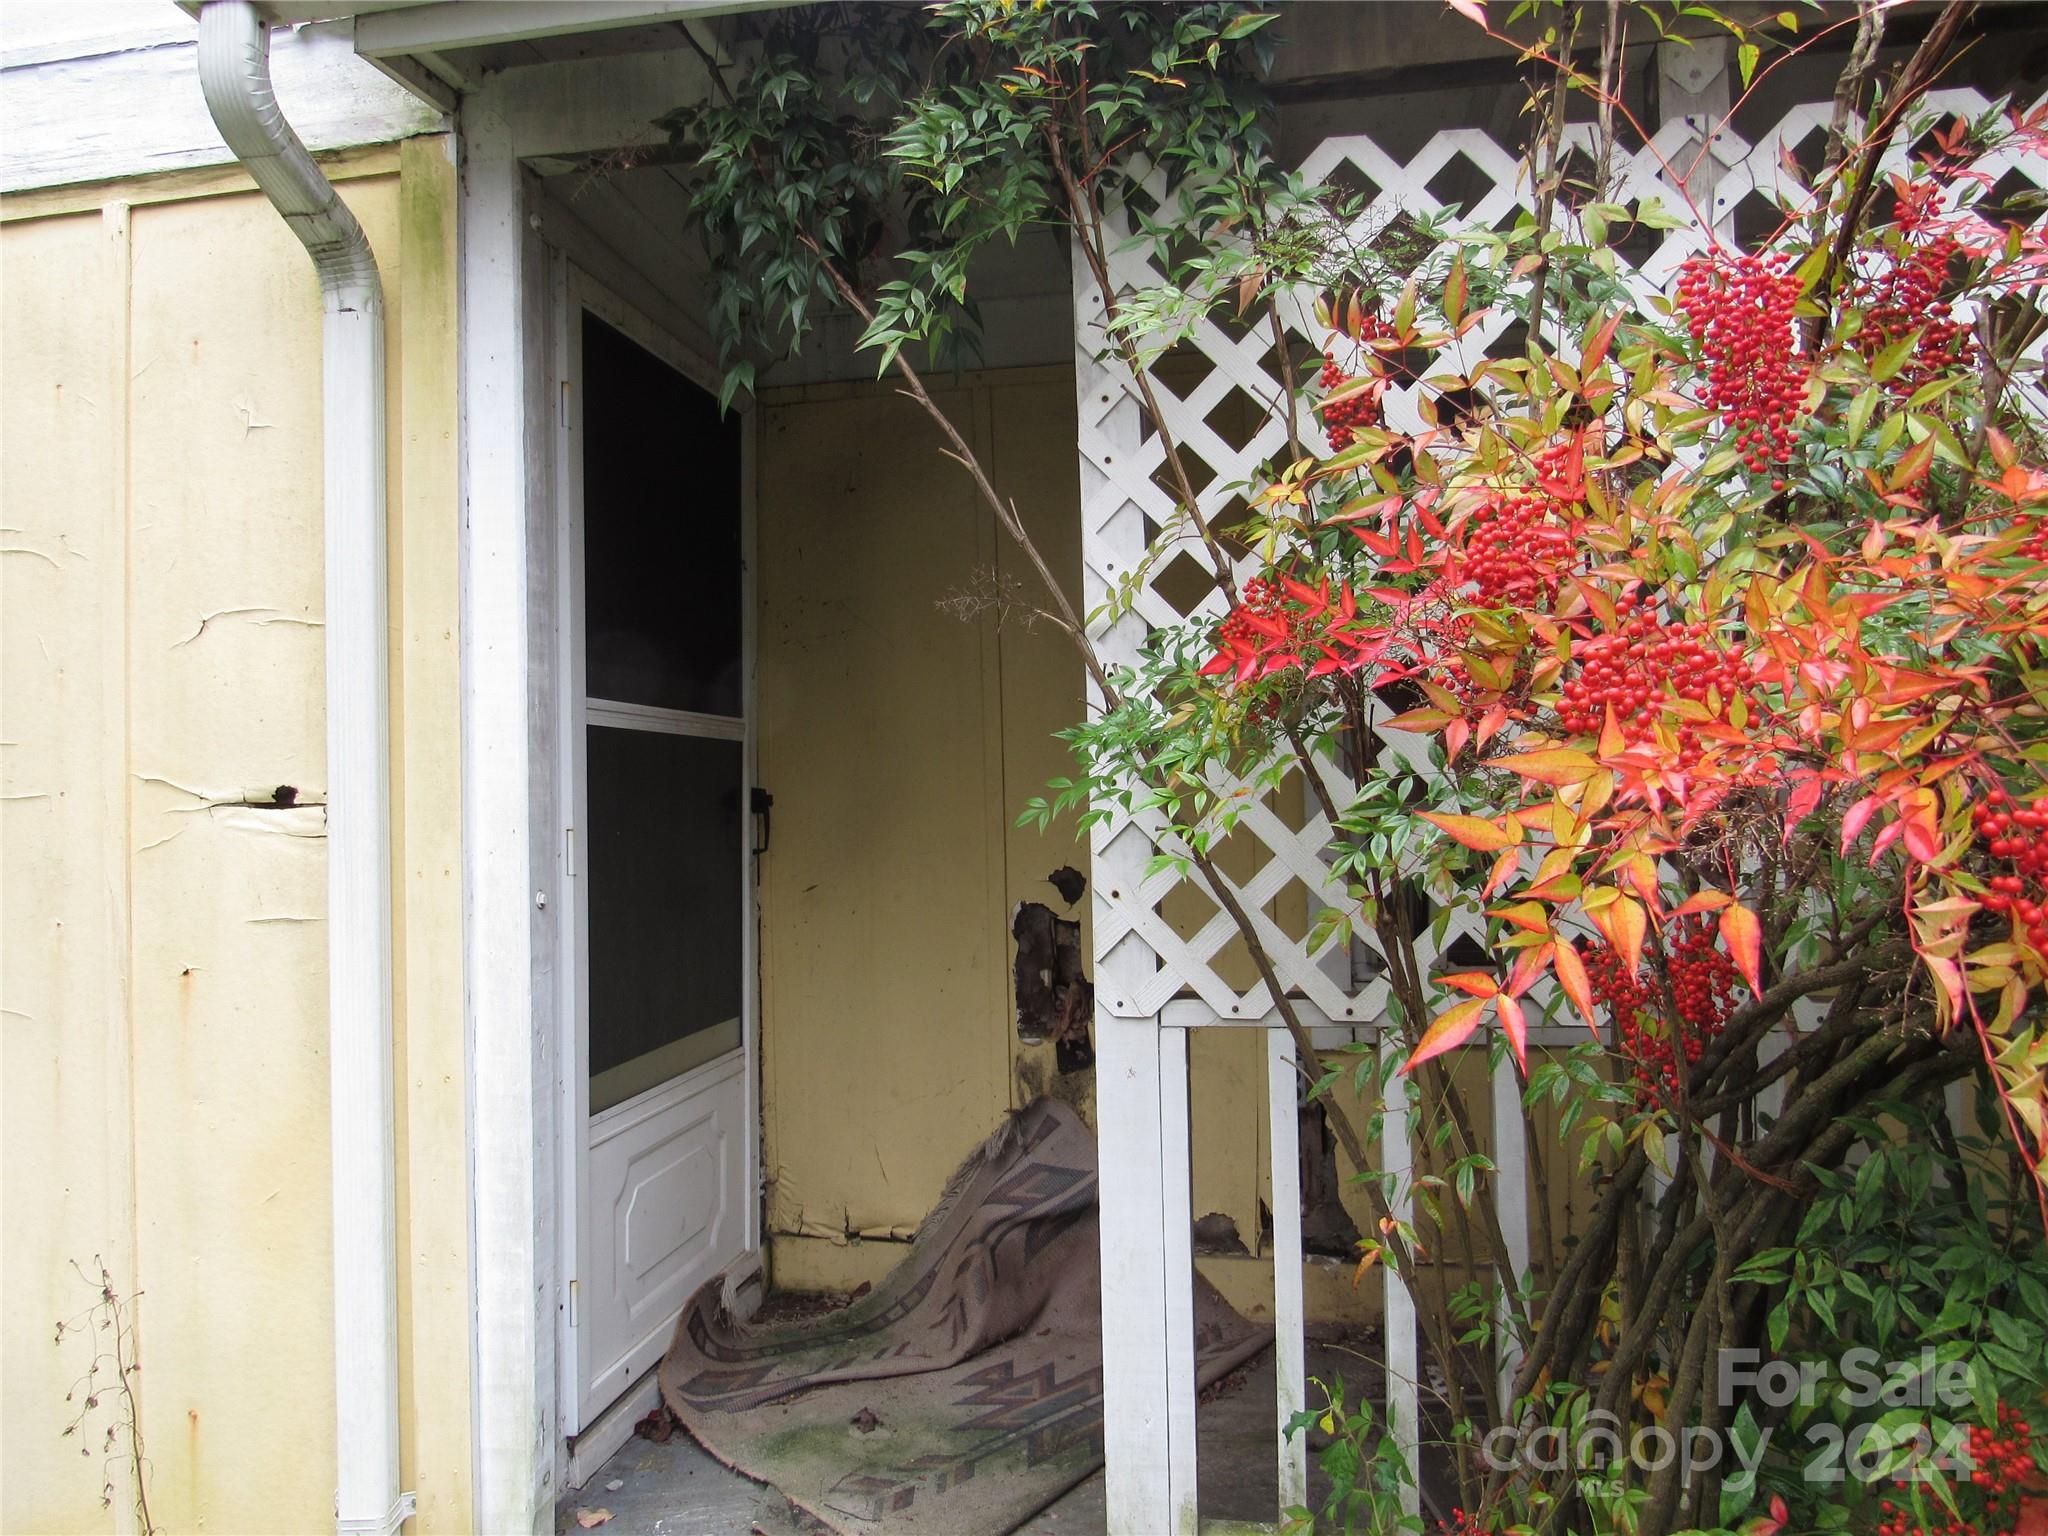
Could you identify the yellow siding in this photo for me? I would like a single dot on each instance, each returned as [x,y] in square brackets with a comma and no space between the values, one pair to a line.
[165,1044]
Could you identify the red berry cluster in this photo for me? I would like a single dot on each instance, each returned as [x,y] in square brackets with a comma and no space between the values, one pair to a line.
[1631,669]
[1461,1523]
[2017,833]
[1905,296]
[1703,981]
[1515,550]
[2035,545]
[2001,1454]
[2001,1462]
[1342,419]
[1260,599]
[1739,310]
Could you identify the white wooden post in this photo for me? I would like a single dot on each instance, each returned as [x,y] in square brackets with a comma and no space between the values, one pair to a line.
[1134,1281]
[1289,1320]
[1511,1207]
[1403,1371]
[1692,86]
[1177,1245]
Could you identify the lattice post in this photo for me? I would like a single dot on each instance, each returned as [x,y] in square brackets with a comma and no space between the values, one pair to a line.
[1692,102]
[1290,1364]
[1404,1367]
[1511,1206]
[1132,1198]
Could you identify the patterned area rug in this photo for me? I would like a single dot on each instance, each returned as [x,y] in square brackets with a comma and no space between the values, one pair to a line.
[964,1393]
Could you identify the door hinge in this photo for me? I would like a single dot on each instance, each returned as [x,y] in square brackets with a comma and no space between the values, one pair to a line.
[562,401]
[572,1303]
[762,805]
[569,852]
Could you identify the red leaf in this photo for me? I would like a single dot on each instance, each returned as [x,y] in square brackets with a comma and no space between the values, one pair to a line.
[1744,936]
[1516,1026]
[1530,965]
[1856,818]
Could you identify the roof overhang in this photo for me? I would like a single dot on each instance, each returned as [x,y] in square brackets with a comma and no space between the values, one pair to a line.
[437,48]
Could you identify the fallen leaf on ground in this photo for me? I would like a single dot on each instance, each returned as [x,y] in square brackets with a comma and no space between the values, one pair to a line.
[588,1518]
[615,1485]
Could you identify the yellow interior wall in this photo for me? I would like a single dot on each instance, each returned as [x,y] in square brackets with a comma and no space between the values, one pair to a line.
[165,1056]
[900,742]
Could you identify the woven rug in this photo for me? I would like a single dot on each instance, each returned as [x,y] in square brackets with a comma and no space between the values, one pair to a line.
[964,1393]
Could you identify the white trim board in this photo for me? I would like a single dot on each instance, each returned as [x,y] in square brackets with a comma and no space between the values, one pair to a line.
[509,1009]
[136,110]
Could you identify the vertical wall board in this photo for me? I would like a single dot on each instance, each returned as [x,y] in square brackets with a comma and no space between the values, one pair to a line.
[230,939]
[433,1188]
[63,811]
[1227,1087]
[885,1056]
[1032,433]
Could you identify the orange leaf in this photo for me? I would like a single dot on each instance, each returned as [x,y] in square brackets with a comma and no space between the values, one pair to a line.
[1371,1257]
[1707,900]
[1571,975]
[1744,936]
[1555,765]
[1486,836]
[1450,1029]
[1625,929]
[1612,742]
[1523,914]
[1420,720]
[1476,983]
[1503,868]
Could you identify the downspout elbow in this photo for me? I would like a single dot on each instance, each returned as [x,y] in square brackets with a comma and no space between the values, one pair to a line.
[234,75]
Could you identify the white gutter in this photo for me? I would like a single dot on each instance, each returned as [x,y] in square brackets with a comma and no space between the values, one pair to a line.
[234,71]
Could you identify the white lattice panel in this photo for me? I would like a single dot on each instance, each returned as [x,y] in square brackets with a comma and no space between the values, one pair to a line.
[1142,962]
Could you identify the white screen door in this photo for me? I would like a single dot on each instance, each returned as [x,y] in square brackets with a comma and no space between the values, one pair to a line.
[659,952]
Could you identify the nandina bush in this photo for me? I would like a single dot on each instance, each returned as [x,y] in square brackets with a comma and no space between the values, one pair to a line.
[1723,611]
[1718,608]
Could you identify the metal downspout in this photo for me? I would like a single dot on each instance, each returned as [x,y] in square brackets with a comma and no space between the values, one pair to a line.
[234,71]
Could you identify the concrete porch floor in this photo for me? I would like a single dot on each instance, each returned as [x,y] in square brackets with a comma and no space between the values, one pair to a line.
[678,1489]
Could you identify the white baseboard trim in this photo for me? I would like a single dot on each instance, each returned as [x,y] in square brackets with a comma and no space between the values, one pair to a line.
[613,1428]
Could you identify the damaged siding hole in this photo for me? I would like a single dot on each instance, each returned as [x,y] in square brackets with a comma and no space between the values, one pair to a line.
[1055,999]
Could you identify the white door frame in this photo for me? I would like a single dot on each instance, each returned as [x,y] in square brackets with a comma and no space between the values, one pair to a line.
[572,292]
[511,844]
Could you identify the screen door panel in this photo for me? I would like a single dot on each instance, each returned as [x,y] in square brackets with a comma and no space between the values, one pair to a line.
[664,841]
[656,740]
[661,533]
